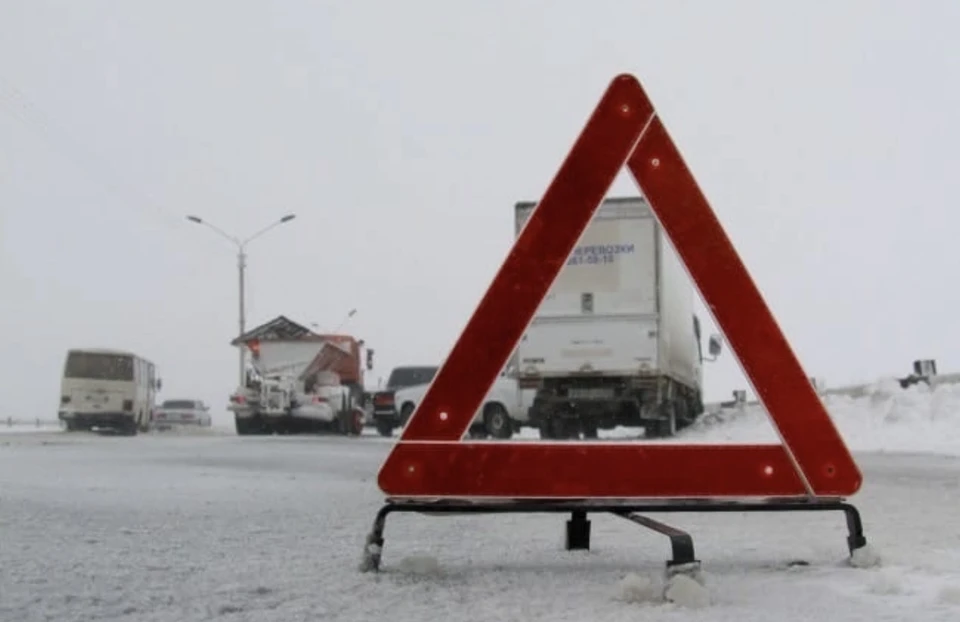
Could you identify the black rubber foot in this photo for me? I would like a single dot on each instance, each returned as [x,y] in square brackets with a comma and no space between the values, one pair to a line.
[372,551]
[578,532]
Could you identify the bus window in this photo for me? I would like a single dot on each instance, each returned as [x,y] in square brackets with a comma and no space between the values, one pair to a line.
[99,366]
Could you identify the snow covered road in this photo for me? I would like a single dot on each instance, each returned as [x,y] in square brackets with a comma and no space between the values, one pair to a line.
[218,527]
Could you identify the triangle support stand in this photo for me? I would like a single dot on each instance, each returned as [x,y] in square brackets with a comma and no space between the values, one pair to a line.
[432,470]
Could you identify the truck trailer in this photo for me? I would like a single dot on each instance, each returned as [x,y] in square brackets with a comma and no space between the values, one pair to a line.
[616,341]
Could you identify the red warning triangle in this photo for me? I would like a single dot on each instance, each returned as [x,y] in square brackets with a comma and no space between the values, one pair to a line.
[431,460]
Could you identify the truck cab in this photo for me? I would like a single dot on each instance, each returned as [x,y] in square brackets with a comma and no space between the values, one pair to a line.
[502,413]
[386,415]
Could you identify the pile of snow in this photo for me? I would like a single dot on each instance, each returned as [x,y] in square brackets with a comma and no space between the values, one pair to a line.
[635,588]
[886,417]
[865,557]
[680,589]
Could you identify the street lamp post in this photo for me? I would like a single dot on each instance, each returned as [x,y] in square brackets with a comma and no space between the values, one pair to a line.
[241,270]
[346,318]
[350,314]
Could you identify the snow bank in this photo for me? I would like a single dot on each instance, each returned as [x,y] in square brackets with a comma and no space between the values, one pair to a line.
[888,418]
[680,589]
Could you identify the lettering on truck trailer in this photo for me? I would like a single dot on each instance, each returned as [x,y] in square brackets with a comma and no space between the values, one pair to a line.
[598,254]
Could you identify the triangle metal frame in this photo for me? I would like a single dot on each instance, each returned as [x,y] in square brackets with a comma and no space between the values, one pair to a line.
[431,460]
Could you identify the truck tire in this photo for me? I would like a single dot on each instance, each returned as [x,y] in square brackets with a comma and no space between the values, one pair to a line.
[241,426]
[545,429]
[477,431]
[665,427]
[350,422]
[590,430]
[405,413]
[559,429]
[695,407]
[129,428]
[356,422]
[247,426]
[384,427]
[497,421]
[681,408]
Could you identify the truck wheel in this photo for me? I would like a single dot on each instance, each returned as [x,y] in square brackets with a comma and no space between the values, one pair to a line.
[680,408]
[129,428]
[497,421]
[665,427]
[261,426]
[384,427]
[283,426]
[685,413]
[477,431]
[590,430]
[560,428]
[405,413]
[247,426]
[356,422]
[546,429]
[350,422]
[242,425]
[694,407]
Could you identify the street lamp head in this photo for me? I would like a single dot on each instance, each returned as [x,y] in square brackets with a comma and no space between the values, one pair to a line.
[288,218]
[195,219]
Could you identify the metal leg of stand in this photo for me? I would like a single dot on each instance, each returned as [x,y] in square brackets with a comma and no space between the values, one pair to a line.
[578,532]
[681,542]
[855,538]
[373,547]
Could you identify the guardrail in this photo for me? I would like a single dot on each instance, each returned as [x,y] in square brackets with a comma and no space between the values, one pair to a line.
[37,422]
[924,372]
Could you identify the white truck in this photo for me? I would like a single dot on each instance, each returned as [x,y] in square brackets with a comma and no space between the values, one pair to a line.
[616,341]
[299,385]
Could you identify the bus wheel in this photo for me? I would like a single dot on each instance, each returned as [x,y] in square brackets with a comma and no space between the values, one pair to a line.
[130,428]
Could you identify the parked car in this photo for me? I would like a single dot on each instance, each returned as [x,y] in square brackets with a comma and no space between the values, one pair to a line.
[181,412]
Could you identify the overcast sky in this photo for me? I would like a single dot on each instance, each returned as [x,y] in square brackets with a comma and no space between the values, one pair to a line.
[402,133]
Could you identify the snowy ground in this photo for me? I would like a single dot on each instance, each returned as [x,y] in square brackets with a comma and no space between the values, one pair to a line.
[211,526]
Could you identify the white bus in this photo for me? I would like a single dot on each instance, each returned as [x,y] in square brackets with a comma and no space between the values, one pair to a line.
[104,388]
